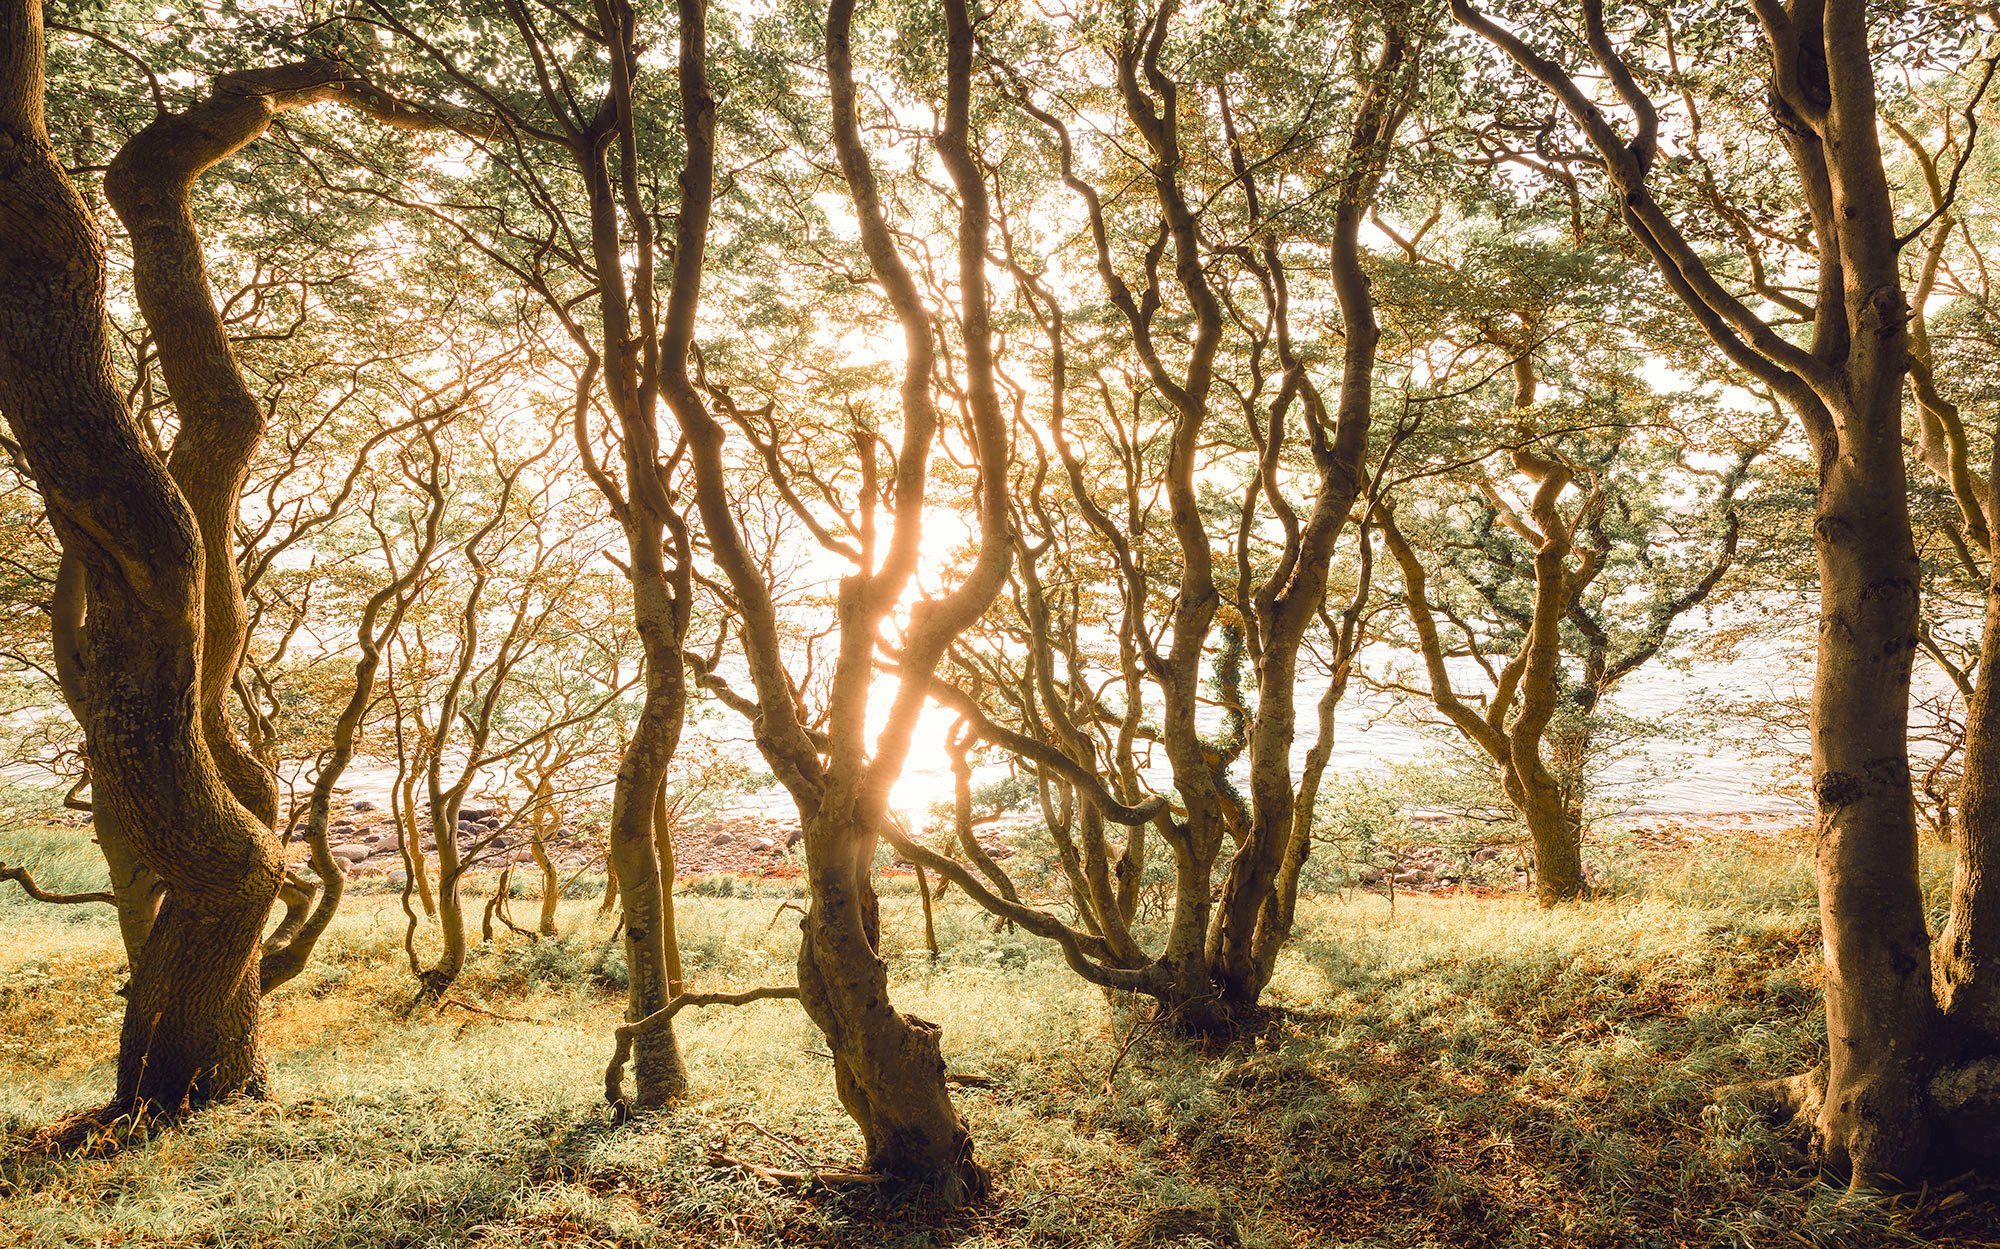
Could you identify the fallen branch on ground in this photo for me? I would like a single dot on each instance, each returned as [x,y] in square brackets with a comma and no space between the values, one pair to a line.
[810,1172]
[839,1176]
[453,999]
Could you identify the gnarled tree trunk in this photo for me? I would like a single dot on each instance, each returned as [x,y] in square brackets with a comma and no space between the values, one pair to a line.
[190,1030]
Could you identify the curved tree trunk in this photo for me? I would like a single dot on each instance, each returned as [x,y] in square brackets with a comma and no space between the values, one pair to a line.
[190,1031]
[888,1067]
[545,920]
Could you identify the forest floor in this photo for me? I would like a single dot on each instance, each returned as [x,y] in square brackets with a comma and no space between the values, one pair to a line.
[1462,1071]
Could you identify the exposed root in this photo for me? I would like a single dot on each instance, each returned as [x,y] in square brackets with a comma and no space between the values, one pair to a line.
[432,986]
[825,1177]
[1791,1101]
[96,1133]
[809,1173]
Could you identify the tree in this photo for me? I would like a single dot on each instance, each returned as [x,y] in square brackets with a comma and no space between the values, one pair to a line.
[1563,577]
[888,1067]
[1217,410]
[151,533]
[1871,1106]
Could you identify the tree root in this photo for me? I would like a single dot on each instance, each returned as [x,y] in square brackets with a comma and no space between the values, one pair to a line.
[1788,1101]
[809,1175]
[829,1177]
[432,985]
[100,1132]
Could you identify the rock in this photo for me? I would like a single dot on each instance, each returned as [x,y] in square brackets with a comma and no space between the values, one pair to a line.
[361,804]
[1369,876]
[351,854]
[476,814]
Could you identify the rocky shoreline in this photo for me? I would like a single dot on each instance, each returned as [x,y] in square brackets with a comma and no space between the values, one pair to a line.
[759,843]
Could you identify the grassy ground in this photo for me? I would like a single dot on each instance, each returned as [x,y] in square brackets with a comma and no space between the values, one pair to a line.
[1464,1073]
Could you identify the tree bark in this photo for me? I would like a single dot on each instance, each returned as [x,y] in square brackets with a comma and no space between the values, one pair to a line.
[190,1030]
[1969,950]
[1876,1119]
[888,1067]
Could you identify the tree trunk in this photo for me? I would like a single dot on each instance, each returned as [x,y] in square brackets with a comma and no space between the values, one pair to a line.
[545,923]
[1558,846]
[930,920]
[1881,1014]
[663,842]
[888,1067]
[190,1031]
[636,816]
[433,981]
[1969,951]
[135,890]
[410,834]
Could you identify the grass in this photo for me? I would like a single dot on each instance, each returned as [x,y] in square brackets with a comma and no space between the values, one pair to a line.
[1470,1072]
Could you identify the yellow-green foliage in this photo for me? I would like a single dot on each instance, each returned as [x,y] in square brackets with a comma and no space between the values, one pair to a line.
[1468,1072]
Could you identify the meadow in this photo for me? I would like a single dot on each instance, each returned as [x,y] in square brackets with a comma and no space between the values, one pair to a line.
[1462,1071]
